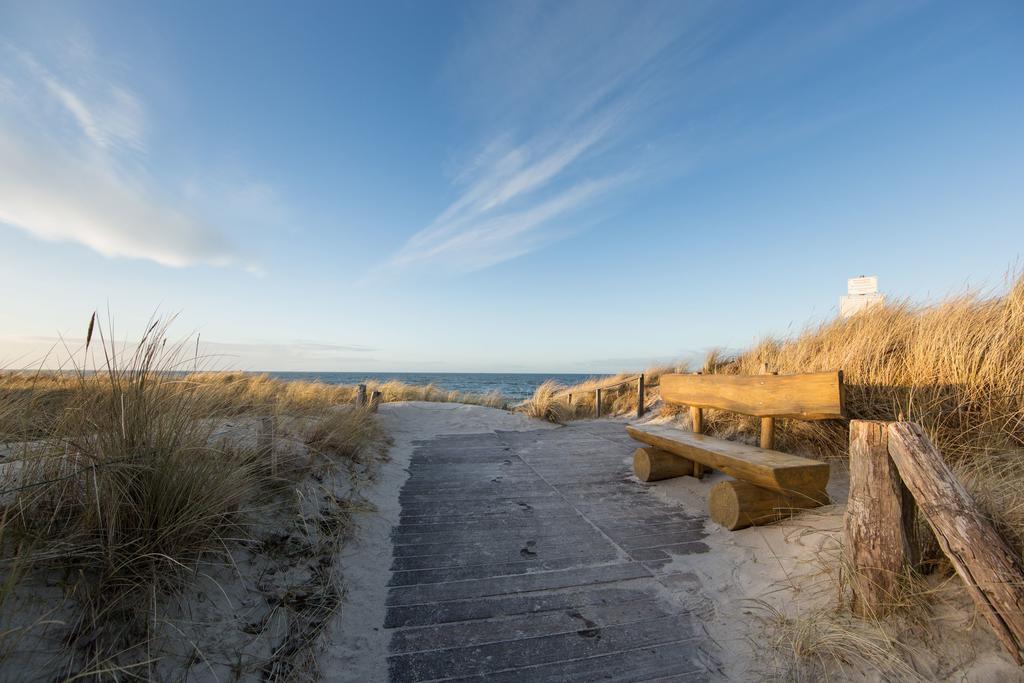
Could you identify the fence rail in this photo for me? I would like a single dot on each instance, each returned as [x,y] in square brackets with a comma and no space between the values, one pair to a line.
[599,393]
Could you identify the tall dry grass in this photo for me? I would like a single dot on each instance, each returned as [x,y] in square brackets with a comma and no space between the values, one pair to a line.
[33,403]
[122,483]
[124,490]
[956,367]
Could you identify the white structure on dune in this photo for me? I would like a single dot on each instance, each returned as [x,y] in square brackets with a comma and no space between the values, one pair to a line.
[861,293]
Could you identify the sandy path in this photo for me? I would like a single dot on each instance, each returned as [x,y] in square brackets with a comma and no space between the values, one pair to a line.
[508,548]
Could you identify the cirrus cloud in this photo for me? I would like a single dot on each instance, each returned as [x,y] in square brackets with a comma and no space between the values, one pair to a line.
[72,147]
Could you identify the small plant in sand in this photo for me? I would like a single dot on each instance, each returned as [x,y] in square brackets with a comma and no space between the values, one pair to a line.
[347,431]
[547,403]
[821,643]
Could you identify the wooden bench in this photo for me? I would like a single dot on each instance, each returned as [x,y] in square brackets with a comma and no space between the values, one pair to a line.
[768,484]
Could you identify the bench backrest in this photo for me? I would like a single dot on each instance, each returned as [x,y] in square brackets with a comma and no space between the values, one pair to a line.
[814,396]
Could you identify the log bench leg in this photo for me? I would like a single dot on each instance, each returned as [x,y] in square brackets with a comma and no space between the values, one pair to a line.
[652,464]
[737,504]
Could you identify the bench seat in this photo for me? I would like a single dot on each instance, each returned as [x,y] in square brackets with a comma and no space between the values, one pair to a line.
[766,468]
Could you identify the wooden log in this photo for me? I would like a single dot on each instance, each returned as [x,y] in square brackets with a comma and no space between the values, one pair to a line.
[265,436]
[877,531]
[374,401]
[265,441]
[739,504]
[652,464]
[814,396]
[361,395]
[697,425]
[597,403]
[640,396]
[768,433]
[781,472]
[991,570]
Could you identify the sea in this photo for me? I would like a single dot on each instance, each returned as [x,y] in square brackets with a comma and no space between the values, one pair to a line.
[514,386]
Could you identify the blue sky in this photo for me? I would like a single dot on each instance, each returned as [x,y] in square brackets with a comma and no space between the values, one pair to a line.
[495,186]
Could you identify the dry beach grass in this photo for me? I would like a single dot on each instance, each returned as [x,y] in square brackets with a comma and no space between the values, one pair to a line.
[956,367]
[121,485]
[33,403]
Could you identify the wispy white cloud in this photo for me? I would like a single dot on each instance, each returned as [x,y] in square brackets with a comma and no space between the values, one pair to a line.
[73,167]
[569,97]
[62,352]
[513,173]
[56,196]
[107,113]
[559,101]
[480,242]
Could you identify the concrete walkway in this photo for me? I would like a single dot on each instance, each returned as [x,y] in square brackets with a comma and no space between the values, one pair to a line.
[534,556]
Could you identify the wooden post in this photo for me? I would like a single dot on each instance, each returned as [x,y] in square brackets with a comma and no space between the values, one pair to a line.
[877,530]
[361,395]
[768,433]
[697,423]
[767,423]
[265,440]
[697,419]
[374,401]
[991,570]
[640,396]
[597,404]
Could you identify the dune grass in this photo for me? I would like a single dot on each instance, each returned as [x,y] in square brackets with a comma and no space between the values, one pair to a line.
[123,482]
[826,644]
[956,367]
[33,404]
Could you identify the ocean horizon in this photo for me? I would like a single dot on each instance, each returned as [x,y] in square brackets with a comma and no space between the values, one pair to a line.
[512,385]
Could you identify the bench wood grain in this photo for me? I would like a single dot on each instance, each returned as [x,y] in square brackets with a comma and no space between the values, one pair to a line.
[770,469]
[739,504]
[812,396]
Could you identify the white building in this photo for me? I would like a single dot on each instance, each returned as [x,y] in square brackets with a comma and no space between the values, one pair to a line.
[861,293]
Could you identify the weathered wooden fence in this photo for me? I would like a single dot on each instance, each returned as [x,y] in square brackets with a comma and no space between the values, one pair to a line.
[362,400]
[640,390]
[894,469]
